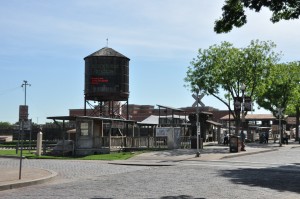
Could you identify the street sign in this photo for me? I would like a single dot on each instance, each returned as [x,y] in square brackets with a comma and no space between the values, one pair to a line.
[279,112]
[198,129]
[198,100]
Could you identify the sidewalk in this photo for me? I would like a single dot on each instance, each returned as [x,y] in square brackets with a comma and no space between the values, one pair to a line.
[210,152]
[9,178]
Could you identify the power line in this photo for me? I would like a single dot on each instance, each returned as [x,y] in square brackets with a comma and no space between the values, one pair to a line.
[5,91]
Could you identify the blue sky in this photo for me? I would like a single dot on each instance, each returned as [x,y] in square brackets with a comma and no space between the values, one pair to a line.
[44,42]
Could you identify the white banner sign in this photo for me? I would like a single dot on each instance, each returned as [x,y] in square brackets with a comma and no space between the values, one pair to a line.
[163,132]
[26,125]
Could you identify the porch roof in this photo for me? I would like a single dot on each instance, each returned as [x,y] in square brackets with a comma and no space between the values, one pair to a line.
[73,118]
[168,107]
[214,123]
[252,117]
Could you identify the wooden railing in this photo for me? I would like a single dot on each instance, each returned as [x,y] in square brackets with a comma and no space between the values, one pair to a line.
[143,142]
[118,142]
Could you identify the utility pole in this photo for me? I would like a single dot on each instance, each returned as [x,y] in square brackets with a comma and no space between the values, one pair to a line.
[22,123]
[25,84]
[198,126]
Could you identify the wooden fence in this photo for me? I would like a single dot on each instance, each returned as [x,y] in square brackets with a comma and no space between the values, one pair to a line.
[143,142]
[119,142]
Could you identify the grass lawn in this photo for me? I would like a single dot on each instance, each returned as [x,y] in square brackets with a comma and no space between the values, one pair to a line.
[112,156]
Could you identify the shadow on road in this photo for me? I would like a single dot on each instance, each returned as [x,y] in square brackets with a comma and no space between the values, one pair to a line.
[179,197]
[167,197]
[283,178]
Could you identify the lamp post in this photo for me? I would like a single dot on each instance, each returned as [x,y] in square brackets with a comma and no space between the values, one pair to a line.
[279,114]
[22,123]
[229,113]
[25,84]
[243,87]
[242,105]
[297,124]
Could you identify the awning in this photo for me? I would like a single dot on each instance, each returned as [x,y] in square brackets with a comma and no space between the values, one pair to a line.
[214,123]
[73,118]
[71,131]
[171,108]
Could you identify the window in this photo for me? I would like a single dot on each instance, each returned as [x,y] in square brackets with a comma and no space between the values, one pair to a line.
[84,129]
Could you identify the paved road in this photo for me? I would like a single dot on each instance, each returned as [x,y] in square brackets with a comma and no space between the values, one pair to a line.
[69,170]
[268,175]
[285,158]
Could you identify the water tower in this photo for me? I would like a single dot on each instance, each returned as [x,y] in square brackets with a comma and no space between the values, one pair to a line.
[106,82]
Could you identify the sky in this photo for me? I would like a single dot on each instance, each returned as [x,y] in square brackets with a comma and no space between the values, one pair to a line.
[45,42]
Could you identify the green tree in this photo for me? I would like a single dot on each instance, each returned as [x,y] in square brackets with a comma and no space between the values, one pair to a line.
[234,12]
[5,125]
[280,90]
[292,71]
[224,68]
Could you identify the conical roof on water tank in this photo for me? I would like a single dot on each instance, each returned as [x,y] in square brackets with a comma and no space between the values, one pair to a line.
[106,76]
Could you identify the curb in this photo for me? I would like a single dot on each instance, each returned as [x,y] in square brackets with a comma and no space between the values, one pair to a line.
[19,184]
[12,156]
[154,164]
[173,162]
[249,153]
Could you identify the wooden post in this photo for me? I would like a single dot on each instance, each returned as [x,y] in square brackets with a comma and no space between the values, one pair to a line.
[39,143]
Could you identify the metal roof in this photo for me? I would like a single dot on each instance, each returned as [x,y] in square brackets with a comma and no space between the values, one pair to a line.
[252,117]
[73,118]
[106,52]
[168,107]
[154,119]
[214,123]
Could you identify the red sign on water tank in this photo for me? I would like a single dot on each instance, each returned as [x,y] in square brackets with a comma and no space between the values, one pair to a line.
[98,80]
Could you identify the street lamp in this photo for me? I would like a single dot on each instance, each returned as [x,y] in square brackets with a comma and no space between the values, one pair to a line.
[279,114]
[25,84]
[243,87]
[242,105]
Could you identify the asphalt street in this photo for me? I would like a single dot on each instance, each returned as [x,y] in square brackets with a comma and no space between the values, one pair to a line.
[266,175]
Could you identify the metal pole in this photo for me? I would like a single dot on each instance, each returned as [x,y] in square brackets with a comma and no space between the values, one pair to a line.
[229,123]
[280,132]
[279,114]
[30,133]
[84,105]
[243,87]
[198,126]
[25,94]
[243,120]
[25,84]
[297,125]
[21,154]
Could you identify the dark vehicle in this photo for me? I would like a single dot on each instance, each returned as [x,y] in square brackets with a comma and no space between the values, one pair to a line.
[63,147]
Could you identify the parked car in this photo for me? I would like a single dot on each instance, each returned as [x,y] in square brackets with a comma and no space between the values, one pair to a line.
[63,147]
